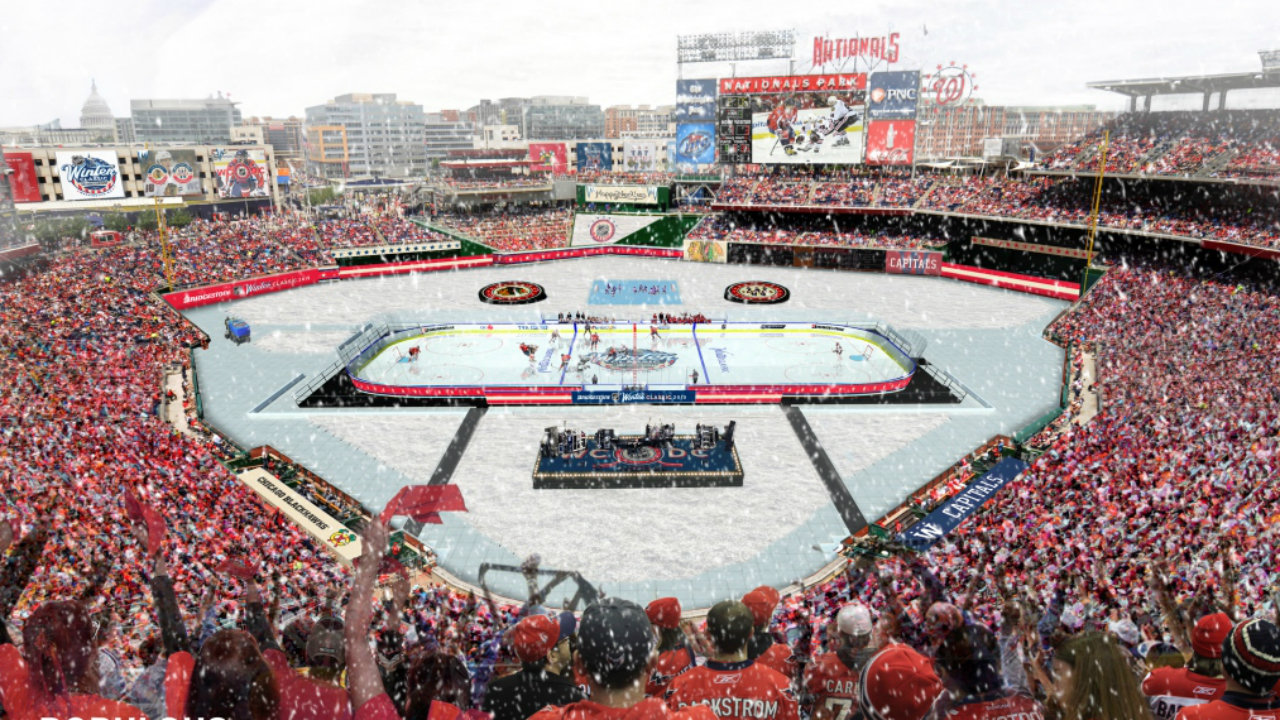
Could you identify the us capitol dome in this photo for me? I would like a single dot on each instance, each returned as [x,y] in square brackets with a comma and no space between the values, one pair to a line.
[95,113]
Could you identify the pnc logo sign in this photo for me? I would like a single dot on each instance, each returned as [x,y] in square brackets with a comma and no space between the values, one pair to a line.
[879,95]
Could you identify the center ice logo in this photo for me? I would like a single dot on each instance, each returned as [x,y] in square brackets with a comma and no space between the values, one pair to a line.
[620,360]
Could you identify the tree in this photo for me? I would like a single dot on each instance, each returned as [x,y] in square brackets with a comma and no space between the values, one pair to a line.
[146,221]
[178,218]
[116,221]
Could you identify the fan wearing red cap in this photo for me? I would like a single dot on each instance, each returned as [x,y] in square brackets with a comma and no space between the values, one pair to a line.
[1251,662]
[674,656]
[762,602]
[542,645]
[1169,690]
[732,685]
[898,683]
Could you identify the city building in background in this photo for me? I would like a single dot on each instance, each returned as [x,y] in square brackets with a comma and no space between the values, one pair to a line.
[367,135]
[51,133]
[288,135]
[96,117]
[184,122]
[247,135]
[959,131]
[643,121]
[549,117]
[445,131]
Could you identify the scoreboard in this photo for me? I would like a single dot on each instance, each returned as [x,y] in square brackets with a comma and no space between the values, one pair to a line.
[733,129]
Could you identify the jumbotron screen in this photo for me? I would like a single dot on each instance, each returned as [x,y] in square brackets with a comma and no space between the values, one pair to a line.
[804,119]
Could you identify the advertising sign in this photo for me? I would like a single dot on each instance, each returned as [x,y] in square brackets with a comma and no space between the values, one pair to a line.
[843,82]
[549,157]
[23,181]
[241,172]
[938,523]
[695,100]
[89,175]
[912,262]
[641,155]
[713,251]
[872,50]
[632,194]
[671,154]
[223,292]
[169,173]
[315,522]
[595,230]
[595,157]
[893,95]
[891,142]
[951,85]
[618,397]
[695,143]
[820,124]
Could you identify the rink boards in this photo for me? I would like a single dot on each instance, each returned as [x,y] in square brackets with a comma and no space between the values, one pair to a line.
[715,362]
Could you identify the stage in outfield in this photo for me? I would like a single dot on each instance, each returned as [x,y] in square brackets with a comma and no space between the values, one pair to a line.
[625,362]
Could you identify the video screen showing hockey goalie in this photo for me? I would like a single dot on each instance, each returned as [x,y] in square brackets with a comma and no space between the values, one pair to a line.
[808,128]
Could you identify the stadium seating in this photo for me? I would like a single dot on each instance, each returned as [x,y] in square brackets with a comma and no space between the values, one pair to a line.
[512,231]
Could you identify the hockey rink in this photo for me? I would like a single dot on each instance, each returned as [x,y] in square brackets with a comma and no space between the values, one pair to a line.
[698,355]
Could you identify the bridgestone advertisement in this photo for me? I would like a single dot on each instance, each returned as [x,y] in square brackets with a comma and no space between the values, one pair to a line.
[595,230]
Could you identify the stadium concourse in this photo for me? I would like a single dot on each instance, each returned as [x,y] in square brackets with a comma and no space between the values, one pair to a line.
[1137,526]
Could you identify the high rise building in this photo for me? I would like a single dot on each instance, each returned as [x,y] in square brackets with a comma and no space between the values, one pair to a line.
[550,117]
[194,122]
[643,121]
[367,134]
[446,131]
[287,136]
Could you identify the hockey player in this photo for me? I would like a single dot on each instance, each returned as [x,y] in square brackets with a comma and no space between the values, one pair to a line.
[555,336]
[782,125]
[841,118]
[564,361]
[695,377]
[595,340]
[653,333]
[839,351]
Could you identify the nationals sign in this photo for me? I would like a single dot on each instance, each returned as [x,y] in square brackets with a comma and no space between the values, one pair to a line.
[883,48]
[793,83]
[757,292]
[512,292]
[950,85]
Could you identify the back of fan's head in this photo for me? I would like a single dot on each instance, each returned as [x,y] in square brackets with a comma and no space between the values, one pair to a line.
[57,643]
[232,680]
[730,625]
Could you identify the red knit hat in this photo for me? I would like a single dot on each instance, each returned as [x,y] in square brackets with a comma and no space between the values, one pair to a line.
[761,602]
[664,612]
[898,683]
[1209,633]
[537,635]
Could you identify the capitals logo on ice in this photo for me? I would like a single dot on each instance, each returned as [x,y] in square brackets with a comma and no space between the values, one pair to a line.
[90,175]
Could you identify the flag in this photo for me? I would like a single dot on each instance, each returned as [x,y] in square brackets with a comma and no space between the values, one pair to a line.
[236,568]
[422,502]
[143,513]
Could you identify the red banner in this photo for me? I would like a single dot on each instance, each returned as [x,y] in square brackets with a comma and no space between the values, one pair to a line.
[246,288]
[891,142]
[912,262]
[792,83]
[549,157]
[23,180]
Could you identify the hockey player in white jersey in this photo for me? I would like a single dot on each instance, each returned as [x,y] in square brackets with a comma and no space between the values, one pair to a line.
[841,117]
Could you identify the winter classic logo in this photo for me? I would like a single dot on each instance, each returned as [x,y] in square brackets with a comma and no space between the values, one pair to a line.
[757,292]
[512,292]
[90,176]
[603,230]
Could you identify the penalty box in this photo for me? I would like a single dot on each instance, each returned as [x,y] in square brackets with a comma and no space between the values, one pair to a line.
[559,363]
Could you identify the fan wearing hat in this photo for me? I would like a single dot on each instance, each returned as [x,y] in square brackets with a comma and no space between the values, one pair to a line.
[1169,690]
[542,645]
[973,664]
[674,656]
[898,683]
[831,681]
[617,652]
[733,685]
[762,602]
[1251,661]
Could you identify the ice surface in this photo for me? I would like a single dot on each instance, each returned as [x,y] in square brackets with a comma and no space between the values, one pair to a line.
[909,301]
[410,443]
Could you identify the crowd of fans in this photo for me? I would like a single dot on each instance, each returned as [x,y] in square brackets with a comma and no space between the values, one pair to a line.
[630,177]
[1221,143]
[778,231]
[496,183]
[514,229]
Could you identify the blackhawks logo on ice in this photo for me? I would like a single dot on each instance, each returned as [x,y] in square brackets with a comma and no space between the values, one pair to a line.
[628,359]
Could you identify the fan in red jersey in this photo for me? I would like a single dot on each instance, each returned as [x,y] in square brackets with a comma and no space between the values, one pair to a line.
[898,683]
[674,656]
[762,602]
[970,658]
[1169,690]
[732,685]
[831,682]
[1251,659]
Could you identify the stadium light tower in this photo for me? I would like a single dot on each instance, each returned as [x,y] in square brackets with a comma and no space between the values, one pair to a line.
[1270,60]
[736,47]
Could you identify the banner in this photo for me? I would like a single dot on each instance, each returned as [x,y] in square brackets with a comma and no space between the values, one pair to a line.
[786,84]
[549,157]
[948,517]
[241,172]
[893,95]
[594,230]
[169,173]
[891,142]
[89,175]
[23,181]
[714,251]
[912,262]
[647,397]
[631,194]
[640,155]
[671,155]
[223,292]
[595,157]
[695,144]
[306,515]
[695,101]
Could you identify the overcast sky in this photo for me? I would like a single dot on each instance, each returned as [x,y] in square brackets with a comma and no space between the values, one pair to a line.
[276,57]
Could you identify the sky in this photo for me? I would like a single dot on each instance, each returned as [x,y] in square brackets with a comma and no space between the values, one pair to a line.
[276,57]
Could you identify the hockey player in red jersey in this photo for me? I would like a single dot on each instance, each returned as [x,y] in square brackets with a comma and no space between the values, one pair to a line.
[1169,690]
[733,686]
[674,656]
[831,681]
[616,653]
[762,602]
[1251,661]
